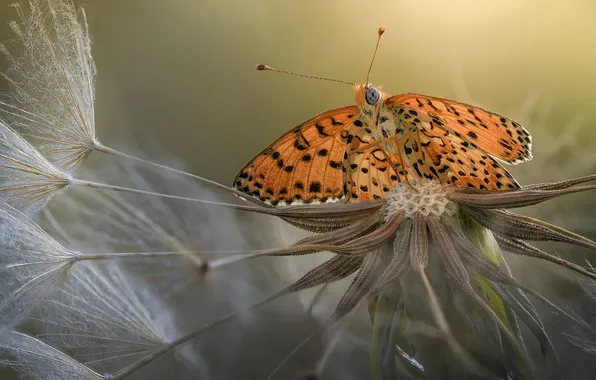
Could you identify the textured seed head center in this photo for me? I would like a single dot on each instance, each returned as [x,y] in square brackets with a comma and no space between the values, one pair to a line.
[423,196]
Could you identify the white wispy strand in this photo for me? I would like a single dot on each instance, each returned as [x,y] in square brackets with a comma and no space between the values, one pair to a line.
[107,319]
[32,264]
[27,179]
[586,342]
[108,222]
[52,76]
[113,222]
[35,360]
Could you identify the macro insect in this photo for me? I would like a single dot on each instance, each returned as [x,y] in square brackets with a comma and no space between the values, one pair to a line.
[360,152]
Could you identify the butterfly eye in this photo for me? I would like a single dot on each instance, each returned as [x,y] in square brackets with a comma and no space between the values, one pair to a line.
[372,95]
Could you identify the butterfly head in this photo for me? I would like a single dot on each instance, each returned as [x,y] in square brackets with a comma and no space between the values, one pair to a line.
[372,96]
[368,96]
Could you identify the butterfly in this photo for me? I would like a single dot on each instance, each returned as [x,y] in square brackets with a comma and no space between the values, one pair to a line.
[360,152]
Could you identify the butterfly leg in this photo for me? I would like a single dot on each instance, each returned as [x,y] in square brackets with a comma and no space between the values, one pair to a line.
[352,149]
[401,162]
[395,167]
[364,147]
[420,143]
[347,170]
[399,143]
[403,165]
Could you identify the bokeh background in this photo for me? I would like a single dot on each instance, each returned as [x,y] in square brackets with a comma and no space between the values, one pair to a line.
[179,76]
[181,72]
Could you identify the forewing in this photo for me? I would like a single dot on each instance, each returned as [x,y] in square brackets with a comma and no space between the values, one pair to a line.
[498,136]
[305,164]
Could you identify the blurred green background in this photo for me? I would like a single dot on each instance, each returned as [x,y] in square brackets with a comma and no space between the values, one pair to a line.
[178,75]
[181,72]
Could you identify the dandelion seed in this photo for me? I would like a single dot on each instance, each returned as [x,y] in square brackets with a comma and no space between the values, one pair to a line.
[53,82]
[584,343]
[32,264]
[36,360]
[27,179]
[106,319]
[118,222]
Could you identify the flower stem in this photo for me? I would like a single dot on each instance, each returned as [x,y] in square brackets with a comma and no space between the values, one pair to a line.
[384,335]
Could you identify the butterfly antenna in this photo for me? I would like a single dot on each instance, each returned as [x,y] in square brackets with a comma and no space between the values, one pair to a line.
[380,33]
[262,67]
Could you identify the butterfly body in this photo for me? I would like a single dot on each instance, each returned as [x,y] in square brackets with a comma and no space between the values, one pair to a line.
[378,120]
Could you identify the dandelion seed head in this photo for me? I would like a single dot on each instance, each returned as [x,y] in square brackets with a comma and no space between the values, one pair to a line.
[423,196]
[106,318]
[53,82]
[27,179]
[32,264]
[35,360]
[443,260]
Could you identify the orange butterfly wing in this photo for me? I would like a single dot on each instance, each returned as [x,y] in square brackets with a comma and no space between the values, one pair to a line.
[454,145]
[373,173]
[304,164]
[498,136]
[449,161]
